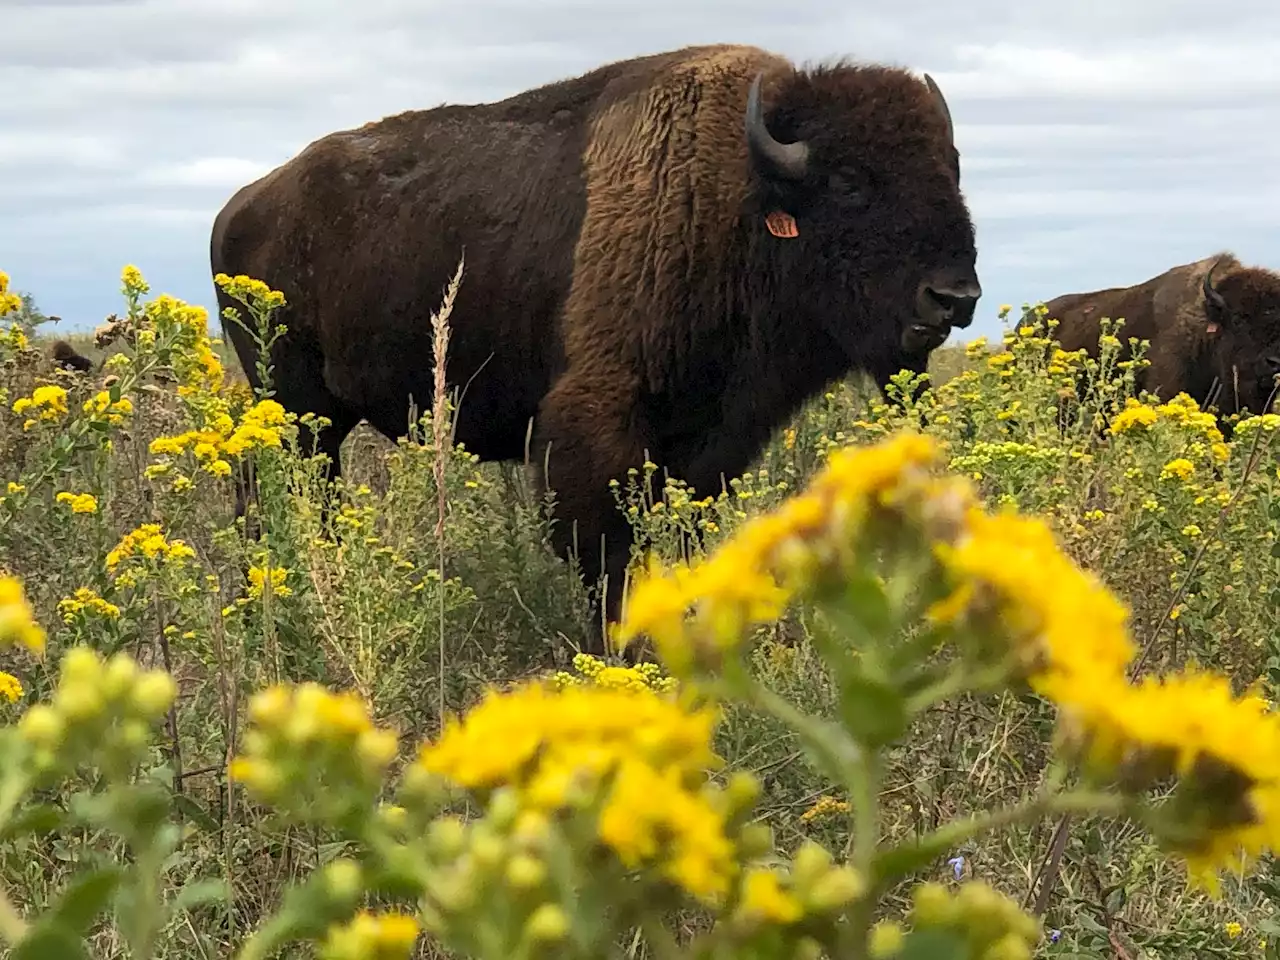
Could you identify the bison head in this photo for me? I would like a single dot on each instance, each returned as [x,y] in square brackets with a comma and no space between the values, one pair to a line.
[1242,312]
[861,163]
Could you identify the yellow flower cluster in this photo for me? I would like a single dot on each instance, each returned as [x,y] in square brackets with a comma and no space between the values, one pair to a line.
[259,427]
[101,407]
[17,621]
[9,302]
[1008,577]
[643,676]
[148,541]
[79,502]
[258,578]
[1225,751]
[246,288]
[312,751]
[987,922]
[102,711]
[811,887]
[823,807]
[86,600]
[558,748]
[10,687]
[371,936]
[753,575]
[49,403]
[1179,468]
[1182,411]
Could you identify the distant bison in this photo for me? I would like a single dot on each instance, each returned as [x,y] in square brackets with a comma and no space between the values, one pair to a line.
[1213,326]
[65,356]
[656,261]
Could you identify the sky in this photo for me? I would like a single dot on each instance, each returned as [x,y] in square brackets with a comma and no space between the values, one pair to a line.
[1101,142]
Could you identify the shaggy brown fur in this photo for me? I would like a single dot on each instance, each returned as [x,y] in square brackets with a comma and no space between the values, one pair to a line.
[621,288]
[1199,345]
[65,356]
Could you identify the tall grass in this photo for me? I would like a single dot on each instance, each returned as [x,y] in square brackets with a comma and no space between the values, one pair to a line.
[426,576]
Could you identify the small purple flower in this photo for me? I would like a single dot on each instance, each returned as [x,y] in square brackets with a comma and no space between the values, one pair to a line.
[957,864]
[1054,935]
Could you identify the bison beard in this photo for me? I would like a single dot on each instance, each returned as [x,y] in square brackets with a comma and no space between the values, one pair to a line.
[657,264]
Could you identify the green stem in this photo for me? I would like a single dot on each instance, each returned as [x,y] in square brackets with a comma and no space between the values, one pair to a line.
[909,856]
[12,926]
[831,744]
[958,681]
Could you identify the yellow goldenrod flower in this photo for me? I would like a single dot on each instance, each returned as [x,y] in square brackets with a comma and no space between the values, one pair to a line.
[258,580]
[764,899]
[311,752]
[10,687]
[558,748]
[1179,469]
[371,936]
[102,711]
[17,622]
[1134,416]
[86,600]
[49,402]
[148,541]
[1064,623]
[79,502]
[753,575]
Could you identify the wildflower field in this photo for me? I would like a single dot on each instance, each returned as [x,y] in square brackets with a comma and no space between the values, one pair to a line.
[987,675]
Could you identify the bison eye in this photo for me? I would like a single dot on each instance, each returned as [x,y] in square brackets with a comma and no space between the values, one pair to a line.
[843,190]
[1272,362]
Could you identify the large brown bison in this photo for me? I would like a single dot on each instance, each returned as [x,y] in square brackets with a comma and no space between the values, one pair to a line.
[1213,327]
[666,255]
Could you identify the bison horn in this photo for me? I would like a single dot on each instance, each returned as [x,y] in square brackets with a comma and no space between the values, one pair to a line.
[1210,294]
[785,161]
[941,101]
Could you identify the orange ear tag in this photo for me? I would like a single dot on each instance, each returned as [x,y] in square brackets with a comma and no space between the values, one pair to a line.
[782,224]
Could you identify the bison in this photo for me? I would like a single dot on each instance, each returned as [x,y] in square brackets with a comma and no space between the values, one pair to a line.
[1213,327]
[65,356]
[666,255]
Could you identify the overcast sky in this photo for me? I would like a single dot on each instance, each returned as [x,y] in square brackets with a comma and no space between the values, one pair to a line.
[1101,142]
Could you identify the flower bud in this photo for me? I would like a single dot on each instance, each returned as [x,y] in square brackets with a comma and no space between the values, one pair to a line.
[119,676]
[887,938]
[446,837]
[42,726]
[932,905]
[153,693]
[547,924]
[835,888]
[342,880]
[525,872]
[811,862]
[755,841]
[1008,947]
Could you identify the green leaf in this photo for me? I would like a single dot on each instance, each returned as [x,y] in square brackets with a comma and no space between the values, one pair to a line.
[39,819]
[59,933]
[195,813]
[199,893]
[50,943]
[874,711]
[934,945]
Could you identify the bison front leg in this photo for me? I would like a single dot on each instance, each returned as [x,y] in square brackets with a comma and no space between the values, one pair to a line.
[585,435]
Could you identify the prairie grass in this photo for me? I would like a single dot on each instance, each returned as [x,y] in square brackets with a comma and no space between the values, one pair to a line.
[1179,524]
